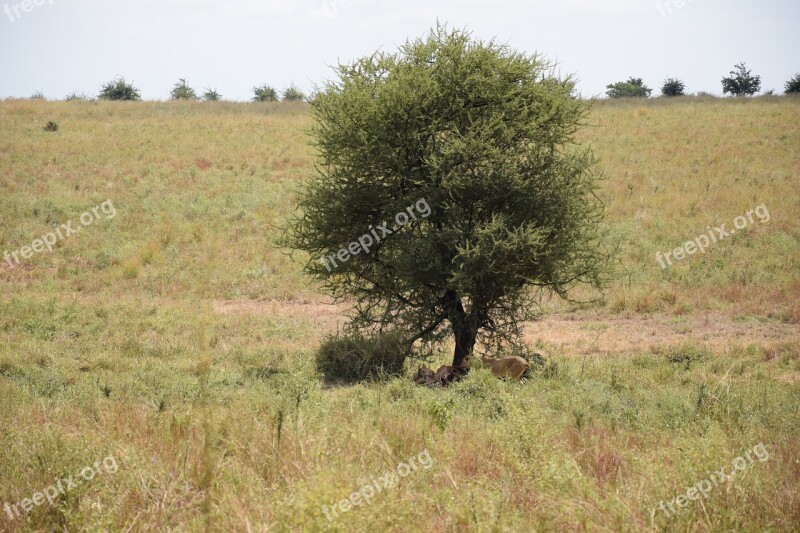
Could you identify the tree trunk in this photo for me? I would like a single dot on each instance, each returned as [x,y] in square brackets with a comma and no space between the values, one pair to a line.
[465,342]
[465,330]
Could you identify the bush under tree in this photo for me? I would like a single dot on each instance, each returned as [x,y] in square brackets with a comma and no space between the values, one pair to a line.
[264,93]
[793,85]
[673,87]
[485,137]
[741,82]
[119,89]
[182,91]
[355,357]
[633,88]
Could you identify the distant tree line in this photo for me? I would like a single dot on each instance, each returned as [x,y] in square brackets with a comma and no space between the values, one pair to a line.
[740,82]
[121,89]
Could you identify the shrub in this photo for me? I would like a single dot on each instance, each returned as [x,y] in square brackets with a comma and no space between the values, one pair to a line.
[634,88]
[211,95]
[38,95]
[293,94]
[182,91]
[119,89]
[51,126]
[355,357]
[75,97]
[673,87]
[741,82]
[265,93]
[793,85]
[687,354]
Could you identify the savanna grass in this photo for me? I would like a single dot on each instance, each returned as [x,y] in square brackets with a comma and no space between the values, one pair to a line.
[118,341]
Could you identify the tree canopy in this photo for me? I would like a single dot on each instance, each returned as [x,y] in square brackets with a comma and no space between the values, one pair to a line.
[475,143]
[741,82]
[633,88]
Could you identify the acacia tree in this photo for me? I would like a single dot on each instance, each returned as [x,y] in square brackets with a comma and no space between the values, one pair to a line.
[633,88]
[265,93]
[119,89]
[484,136]
[182,91]
[793,85]
[673,87]
[741,82]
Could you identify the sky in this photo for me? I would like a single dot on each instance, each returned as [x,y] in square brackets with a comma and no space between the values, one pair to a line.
[74,46]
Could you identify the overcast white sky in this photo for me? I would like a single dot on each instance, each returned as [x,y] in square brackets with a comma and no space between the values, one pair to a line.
[63,46]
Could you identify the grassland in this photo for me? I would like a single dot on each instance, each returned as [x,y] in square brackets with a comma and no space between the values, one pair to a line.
[177,337]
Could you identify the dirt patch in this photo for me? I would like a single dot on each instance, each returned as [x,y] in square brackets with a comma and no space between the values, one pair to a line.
[791,378]
[329,314]
[610,334]
[575,333]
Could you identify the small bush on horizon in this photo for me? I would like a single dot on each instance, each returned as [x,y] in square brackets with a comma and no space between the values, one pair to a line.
[293,94]
[793,85]
[211,95]
[673,87]
[38,95]
[265,93]
[633,88]
[182,91]
[76,97]
[119,89]
[741,82]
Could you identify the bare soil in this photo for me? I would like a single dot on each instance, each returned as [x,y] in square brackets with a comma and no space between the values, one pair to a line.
[576,333]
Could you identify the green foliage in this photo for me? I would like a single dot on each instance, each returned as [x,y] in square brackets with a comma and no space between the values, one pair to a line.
[441,411]
[293,94]
[51,126]
[76,97]
[265,93]
[793,85]
[119,89]
[211,95]
[483,137]
[182,91]
[38,95]
[673,87]
[633,88]
[355,357]
[741,82]
[687,354]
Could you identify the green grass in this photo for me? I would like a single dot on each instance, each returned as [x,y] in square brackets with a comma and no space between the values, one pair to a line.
[118,343]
